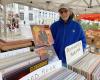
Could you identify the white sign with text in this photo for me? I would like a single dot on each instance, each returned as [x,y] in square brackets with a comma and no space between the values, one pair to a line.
[73,52]
[35,75]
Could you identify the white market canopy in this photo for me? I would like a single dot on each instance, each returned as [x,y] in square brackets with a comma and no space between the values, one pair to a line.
[78,6]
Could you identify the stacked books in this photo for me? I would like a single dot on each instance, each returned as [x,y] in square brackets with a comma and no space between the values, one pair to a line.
[86,65]
[19,73]
[12,64]
[63,74]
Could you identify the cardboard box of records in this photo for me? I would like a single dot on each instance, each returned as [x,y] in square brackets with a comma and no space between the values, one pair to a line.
[90,40]
[93,38]
[89,37]
[97,54]
[97,44]
[97,41]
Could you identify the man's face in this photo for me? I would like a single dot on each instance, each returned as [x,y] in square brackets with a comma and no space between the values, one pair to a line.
[64,14]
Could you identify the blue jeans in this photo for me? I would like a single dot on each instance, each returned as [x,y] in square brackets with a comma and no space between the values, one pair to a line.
[64,65]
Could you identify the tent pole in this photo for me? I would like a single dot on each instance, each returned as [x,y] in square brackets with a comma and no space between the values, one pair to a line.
[98,2]
[86,2]
[0,25]
[4,16]
[90,5]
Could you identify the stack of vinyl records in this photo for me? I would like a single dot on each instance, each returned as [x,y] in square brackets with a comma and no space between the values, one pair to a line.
[96,73]
[14,63]
[63,74]
[86,65]
[14,52]
[70,66]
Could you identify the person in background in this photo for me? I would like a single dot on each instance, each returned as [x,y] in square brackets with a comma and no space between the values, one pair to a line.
[65,32]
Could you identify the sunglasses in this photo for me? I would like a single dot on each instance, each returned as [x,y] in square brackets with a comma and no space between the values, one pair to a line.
[63,11]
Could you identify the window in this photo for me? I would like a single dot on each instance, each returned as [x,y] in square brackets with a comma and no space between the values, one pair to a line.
[10,5]
[45,15]
[20,6]
[39,14]
[30,16]
[22,16]
[30,8]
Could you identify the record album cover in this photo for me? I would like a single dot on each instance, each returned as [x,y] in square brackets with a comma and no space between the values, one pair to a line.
[42,35]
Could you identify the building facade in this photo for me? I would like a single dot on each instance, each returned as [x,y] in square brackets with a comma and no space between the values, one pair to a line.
[29,15]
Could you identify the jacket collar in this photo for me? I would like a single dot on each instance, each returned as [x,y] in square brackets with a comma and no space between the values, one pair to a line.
[62,21]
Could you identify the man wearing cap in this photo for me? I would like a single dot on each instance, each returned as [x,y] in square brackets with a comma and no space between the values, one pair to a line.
[65,32]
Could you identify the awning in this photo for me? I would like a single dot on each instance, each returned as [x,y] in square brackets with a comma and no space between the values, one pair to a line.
[78,6]
[92,17]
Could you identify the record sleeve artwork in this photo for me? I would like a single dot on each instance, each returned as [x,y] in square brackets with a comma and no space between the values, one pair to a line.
[42,51]
[46,52]
[42,35]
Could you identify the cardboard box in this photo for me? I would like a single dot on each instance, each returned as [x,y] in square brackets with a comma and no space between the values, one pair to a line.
[90,40]
[97,44]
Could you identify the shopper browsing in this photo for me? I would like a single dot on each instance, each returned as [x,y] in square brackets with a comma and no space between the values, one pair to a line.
[65,32]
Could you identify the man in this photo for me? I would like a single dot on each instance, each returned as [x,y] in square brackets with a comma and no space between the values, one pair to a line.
[66,32]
